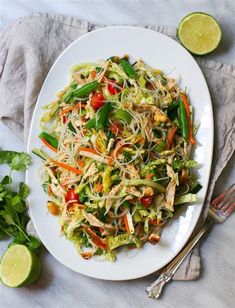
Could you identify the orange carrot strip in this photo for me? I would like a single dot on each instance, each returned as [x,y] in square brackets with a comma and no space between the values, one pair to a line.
[66,110]
[126,224]
[93,73]
[186,104]
[65,166]
[49,190]
[191,138]
[98,241]
[171,136]
[80,163]
[110,160]
[156,222]
[149,176]
[70,108]
[48,145]
[98,187]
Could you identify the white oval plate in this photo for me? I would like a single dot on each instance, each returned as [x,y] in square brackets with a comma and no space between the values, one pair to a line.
[161,52]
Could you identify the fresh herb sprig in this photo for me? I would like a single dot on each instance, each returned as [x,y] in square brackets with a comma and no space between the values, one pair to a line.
[13,210]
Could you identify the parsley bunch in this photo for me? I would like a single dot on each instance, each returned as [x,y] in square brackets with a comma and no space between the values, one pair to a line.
[13,210]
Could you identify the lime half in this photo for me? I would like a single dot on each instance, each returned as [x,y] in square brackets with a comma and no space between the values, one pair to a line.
[19,266]
[199,33]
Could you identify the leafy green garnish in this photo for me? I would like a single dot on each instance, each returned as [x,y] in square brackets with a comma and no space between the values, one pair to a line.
[18,161]
[13,210]
[178,164]
[127,156]
[102,214]
[83,196]
[7,156]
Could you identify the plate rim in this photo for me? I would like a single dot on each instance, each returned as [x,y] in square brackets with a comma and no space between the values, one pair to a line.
[210,155]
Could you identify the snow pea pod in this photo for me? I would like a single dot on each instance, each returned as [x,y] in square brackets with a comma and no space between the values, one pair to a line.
[123,115]
[86,89]
[183,121]
[128,68]
[91,123]
[50,139]
[102,117]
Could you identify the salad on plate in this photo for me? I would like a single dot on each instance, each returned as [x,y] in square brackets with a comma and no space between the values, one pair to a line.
[118,162]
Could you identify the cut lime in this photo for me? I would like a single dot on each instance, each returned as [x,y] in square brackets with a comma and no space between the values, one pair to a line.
[19,266]
[199,33]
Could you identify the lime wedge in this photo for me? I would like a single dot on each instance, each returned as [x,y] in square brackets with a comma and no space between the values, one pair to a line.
[19,266]
[199,33]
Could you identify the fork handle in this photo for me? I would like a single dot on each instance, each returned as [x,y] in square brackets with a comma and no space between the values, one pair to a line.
[154,290]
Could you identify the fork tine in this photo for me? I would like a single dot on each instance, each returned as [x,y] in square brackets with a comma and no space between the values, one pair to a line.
[229,203]
[226,198]
[222,198]
[230,209]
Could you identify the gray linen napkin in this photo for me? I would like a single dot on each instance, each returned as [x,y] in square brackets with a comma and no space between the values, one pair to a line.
[30,46]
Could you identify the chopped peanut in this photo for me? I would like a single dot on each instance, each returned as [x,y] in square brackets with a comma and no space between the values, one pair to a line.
[74,206]
[160,117]
[148,191]
[53,208]
[86,255]
[154,238]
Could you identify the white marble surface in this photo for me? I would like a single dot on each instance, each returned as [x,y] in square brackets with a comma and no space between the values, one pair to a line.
[60,287]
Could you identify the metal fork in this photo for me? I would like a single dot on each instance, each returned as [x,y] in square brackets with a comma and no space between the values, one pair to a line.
[220,209]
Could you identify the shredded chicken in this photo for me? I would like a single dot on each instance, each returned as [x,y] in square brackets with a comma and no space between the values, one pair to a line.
[159,115]
[158,201]
[115,190]
[170,190]
[133,172]
[95,222]
[132,190]
[147,126]
[55,185]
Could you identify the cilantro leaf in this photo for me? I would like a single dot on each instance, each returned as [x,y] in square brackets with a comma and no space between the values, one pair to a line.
[13,215]
[2,195]
[7,156]
[20,239]
[20,161]
[8,217]
[23,221]
[23,191]
[10,230]
[20,207]
[2,234]
[15,200]
[34,244]
[6,180]
[16,160]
